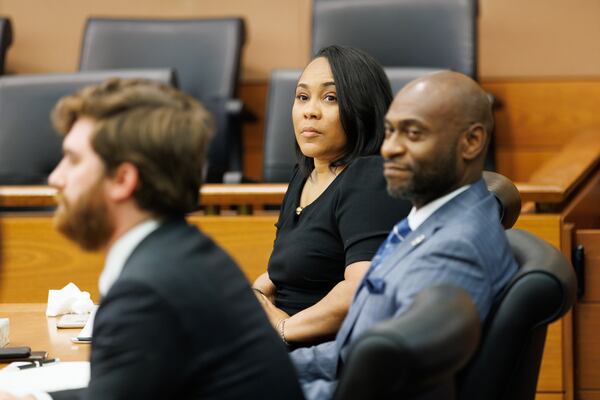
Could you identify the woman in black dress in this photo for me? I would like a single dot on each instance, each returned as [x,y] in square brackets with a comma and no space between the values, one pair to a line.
[336,211]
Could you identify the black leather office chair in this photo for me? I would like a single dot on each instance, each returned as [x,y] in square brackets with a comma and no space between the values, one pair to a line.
[6,38]
[205,54]
[402,33]
[506,365]
[416,355]
[279,156]
[438,34]
[29,146]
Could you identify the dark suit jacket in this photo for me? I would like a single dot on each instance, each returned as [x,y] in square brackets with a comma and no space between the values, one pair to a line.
[182,323]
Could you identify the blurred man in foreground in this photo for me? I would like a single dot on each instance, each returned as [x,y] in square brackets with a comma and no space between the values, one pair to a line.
[177,318]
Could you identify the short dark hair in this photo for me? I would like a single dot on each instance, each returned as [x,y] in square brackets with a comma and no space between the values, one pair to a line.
[157,128]
[364,96]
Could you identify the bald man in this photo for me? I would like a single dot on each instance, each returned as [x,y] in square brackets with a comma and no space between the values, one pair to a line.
[437,132]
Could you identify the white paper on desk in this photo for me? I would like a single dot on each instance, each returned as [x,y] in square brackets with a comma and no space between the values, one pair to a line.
[86,331]
[49,378]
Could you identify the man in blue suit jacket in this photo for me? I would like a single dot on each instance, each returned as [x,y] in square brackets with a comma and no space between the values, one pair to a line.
[437,132]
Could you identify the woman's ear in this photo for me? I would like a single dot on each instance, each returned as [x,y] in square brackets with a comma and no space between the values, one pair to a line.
[474,141]
[123,182]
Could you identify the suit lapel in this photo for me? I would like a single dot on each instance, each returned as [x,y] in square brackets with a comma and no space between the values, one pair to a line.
[383,269]
[415,239]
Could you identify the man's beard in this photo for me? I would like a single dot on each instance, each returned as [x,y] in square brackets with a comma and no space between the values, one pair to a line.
[428,182]
[86,221]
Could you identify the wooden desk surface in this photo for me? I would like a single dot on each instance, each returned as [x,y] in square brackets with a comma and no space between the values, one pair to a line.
[29,326]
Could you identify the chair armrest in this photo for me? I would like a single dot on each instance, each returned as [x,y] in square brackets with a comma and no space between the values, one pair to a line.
[422,348]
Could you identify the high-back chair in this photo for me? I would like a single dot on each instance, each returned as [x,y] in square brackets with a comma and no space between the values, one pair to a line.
[205,54]
[29,146]
[6,38]
[279,156]
[438,34]
[507,363]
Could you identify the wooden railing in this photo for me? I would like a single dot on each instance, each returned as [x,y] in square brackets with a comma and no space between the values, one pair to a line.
[555,181]
[213,197]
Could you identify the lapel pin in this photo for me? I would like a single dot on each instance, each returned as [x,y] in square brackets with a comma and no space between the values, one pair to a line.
[416,241]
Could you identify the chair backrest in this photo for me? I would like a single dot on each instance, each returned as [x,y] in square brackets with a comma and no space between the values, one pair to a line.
[402,33]
[6,38]
[417,354]
[205,53]
[29,146]
[507,195]
[506,365]
[279,156]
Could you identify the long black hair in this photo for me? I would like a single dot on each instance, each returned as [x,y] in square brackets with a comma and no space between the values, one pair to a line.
[364,95]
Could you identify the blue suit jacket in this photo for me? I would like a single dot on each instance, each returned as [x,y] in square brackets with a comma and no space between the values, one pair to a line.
[462,244]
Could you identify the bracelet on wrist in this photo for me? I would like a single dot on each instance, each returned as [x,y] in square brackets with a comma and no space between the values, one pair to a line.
[281,330]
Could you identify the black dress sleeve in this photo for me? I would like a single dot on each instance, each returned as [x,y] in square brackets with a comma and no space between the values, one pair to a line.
[365,212]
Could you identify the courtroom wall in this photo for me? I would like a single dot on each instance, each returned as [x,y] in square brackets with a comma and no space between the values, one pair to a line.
[533,39]
[540,58]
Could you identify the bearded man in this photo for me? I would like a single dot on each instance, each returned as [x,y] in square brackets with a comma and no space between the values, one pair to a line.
[437,132]
[177,319]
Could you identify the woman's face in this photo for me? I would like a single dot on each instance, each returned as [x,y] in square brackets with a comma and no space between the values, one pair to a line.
[316,113]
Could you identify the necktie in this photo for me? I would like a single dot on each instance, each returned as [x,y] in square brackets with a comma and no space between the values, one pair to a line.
[400,231]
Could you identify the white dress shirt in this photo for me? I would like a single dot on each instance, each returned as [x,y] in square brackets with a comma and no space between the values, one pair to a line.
[417,216]
[120,252]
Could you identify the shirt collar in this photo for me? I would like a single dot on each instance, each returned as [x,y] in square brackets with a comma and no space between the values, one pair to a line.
[417,217]
[120,252]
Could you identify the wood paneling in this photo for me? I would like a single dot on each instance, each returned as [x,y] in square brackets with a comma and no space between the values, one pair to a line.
[549,396]
[210,195]
[537,118]
[518,164]
[248,239]
[550,38]
[583,210]
[588,395]
[556,369]
[254,96]
[587,346]
[568,355]
[590,239]
[545,226]
[551,370]
[36,258]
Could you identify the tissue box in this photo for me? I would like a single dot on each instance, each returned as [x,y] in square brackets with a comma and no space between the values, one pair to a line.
[4,337]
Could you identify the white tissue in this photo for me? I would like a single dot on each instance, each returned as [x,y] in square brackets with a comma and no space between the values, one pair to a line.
[68,300]
[4,332]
